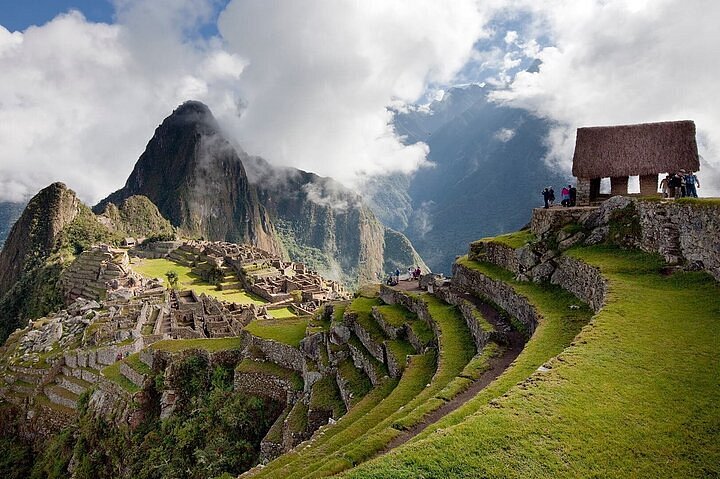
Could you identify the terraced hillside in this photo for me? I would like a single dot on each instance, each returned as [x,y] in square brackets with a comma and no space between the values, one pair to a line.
[633,395]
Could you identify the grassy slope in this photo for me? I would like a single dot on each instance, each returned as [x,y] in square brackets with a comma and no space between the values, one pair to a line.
[288,331]
[156,268]
[635,395]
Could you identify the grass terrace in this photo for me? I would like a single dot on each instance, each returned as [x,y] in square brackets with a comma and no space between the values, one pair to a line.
[288,331]
[156,268]
[112,373]
[270,369]
[515,240]
[634,395]
[282,313]
[396,315]
[210,345]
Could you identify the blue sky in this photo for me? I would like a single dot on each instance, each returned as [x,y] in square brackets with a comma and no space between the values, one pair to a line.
[20,14]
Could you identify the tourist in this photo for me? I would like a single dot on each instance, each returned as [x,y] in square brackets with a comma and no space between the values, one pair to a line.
[681,176]
[390,281]
[573,194]
[546,197]
[674,185]
[397,275]
[565,196]
[552,195]
[410,272]
[417,273]
[691,184]
[665,186]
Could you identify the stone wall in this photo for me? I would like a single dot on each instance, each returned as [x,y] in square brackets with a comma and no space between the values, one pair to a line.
[265,385]
[496,253]
[581,279]
[683,232]
[278,353]
[499,293]
[481,335]
[552,219]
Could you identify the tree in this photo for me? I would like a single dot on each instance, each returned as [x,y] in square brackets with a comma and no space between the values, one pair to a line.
[172,278]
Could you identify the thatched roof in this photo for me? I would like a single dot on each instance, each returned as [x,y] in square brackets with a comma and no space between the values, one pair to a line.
[629,150]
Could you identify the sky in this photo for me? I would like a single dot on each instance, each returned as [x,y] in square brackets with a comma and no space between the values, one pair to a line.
[313,83]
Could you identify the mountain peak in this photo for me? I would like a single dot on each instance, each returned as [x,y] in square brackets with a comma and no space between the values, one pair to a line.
[192,112]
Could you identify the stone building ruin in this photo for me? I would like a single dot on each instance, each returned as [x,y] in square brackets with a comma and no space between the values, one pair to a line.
[618,152]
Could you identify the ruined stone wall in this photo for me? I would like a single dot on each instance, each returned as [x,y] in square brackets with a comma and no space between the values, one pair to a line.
[692,230]
[278,353]
[495,253]
[552,219]
[264,385]
[481,336]
[499,293]
[581,279]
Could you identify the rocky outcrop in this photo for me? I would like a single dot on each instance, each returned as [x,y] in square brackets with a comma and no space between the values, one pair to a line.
[35,234]
[198,181]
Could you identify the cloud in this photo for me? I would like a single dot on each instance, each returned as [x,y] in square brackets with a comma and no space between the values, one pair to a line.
[79,100]
[504,134]
[321,77]
[618,62]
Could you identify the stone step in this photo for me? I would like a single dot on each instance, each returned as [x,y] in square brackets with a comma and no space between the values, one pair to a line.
[72,384]
[61,396]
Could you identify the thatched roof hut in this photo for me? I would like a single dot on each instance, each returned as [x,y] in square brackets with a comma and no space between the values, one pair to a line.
[629,150]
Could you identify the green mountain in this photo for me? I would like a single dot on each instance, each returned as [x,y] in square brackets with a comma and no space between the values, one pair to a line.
[208,188]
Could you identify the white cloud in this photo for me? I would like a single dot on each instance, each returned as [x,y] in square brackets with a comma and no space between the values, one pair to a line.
[617,62]
[504,134]
[321,75]
[79,100]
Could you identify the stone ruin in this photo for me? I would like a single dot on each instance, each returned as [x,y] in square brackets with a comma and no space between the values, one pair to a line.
[261,273]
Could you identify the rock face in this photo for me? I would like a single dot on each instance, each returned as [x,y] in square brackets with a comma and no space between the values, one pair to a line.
[197,180]
[327,226]
[34,235]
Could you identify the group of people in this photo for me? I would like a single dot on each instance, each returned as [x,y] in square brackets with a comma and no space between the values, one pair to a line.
[568,196]
[680,185]
[394,278]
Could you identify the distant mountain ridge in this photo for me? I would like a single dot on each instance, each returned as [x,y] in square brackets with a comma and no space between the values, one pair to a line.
[488,172]
[9,213]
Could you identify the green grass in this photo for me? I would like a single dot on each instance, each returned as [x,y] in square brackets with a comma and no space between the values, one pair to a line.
[357,381]
[635,395]
[297,420]
[113,374]
[156,268]
[699,201]
[327,453]
[339,433]
[210,345]
[134,362]
[287,331]
[325,396]
[271,369]
[514,240]
[400,350]
[396,315]
[422,331]
[363,308]
[282,313]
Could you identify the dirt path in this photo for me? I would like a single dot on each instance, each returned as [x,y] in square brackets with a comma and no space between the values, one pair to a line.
[515,345]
